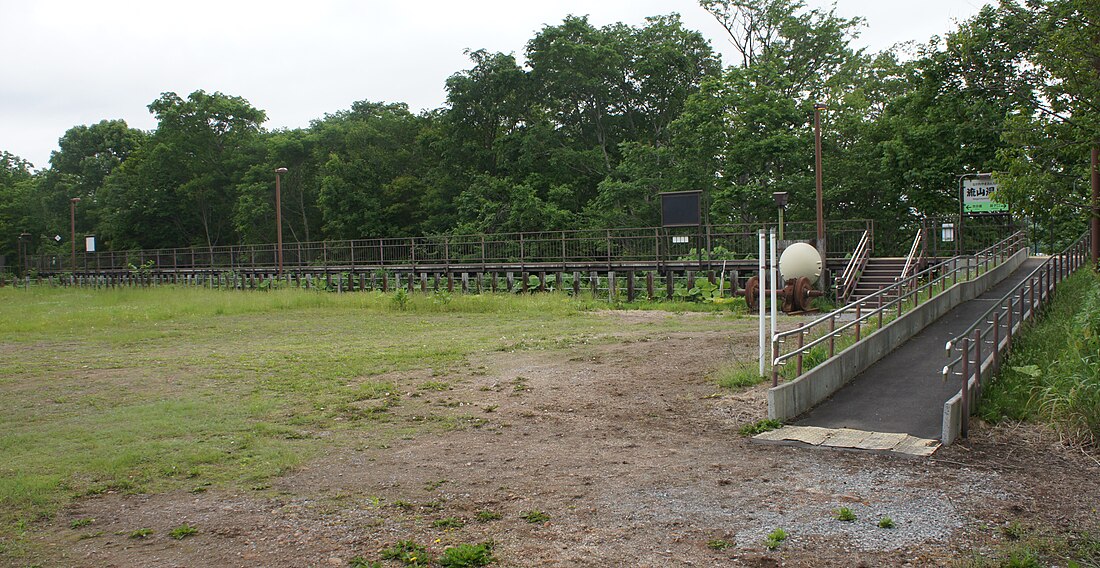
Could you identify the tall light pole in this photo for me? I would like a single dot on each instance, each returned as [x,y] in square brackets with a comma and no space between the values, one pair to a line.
[781,203]
[279,217]
[24,251]
[818,107]
[72,229]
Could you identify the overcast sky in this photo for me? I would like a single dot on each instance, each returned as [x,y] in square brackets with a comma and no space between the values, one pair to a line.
[73,62]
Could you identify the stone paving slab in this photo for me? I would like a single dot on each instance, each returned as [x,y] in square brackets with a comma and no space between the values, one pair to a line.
[851,439]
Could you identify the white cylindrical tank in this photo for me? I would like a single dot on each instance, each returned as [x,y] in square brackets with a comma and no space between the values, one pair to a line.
[800,260]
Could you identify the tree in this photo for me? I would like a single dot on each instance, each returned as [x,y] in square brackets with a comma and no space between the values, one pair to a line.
[181,186]
[19,212]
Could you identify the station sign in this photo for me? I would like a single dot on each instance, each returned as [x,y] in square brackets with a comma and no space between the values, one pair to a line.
[976,195]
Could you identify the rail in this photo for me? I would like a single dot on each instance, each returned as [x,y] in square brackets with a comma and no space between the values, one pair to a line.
[825,334]
[915,256]
[653,245]
[996,327]
[858,262]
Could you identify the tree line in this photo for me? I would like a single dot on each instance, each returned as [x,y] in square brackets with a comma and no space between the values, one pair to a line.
[595,122]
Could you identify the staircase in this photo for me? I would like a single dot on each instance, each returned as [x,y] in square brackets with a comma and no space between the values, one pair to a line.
[877,274]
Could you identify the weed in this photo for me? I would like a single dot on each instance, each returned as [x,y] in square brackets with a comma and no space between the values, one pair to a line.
[738,377]
[183,531]
[86,536]
[436,386]
[844,514]
[486,516]
[401,504]
[1013,531]
[360,562]
[141,533]
[491,408]
[886,523]
[408,552]
[759,427]
[433,485]
[535,517]
[718,544]
[76,524]
[467,555]
[400,299]
[449,523]
[519,384]
[774,539]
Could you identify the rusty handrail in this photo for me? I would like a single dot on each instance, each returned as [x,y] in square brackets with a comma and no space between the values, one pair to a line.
[855,266]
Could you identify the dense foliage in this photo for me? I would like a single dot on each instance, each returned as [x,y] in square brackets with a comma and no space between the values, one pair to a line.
[596,121]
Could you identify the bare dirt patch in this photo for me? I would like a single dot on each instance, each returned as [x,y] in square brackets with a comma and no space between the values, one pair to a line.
[636,462]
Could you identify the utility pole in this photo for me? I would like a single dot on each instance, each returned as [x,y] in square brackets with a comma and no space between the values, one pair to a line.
[72,230]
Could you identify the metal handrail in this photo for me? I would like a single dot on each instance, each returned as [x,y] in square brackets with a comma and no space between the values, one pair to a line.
[885,300]
[855,266]
[1026,283]
[917,244]
[1036,288]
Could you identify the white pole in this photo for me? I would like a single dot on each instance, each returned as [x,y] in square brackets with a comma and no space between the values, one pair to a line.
[762,281]
[775,284]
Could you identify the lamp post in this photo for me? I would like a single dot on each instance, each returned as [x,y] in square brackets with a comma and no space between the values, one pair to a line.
[279,218]
[72,230]
[24,246]
[818,107]
[781,203]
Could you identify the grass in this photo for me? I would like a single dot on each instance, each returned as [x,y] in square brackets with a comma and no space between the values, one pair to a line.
[1038,548]
[1052,374]
[166,389]
[759,427]
[844,514]
[535,517]
[488,516]
[719,544]
[183,531]
[467,555]
[886,523]
[738,376]
[449,523]
[775,538]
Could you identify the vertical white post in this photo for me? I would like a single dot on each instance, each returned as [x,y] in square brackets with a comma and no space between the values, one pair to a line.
[761,277]
[775,283]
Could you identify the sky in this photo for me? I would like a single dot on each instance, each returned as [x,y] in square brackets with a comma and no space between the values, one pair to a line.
[76,62]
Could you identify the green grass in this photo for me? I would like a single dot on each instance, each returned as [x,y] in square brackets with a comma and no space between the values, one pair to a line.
[759,427]
[1052,374]
[738,376]
[467,555]
[844,514]
[775,538]
[164,389]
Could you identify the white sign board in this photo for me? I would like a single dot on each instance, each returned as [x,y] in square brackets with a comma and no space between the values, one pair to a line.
[679,239]
[89,244]
[976,193]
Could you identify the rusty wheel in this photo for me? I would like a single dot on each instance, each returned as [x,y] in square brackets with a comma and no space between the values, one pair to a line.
[752,291]
[801,298]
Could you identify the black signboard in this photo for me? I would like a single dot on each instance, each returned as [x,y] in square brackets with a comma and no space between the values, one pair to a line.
[681,209]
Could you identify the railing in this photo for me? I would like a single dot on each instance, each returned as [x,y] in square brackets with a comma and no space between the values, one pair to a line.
[858,262]
[597,247]
[915,256]
[995,328]
[885,305]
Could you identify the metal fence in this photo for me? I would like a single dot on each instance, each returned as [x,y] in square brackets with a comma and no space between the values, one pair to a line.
[654,245]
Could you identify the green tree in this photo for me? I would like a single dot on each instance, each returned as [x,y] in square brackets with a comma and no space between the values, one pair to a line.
[181,186]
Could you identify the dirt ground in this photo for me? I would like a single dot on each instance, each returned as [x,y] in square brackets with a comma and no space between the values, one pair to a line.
[634,455]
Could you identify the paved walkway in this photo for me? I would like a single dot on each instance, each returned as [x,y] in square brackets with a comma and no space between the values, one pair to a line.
[904,392]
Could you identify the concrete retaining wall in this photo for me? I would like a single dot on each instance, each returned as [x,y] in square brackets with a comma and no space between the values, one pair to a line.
[791,399]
